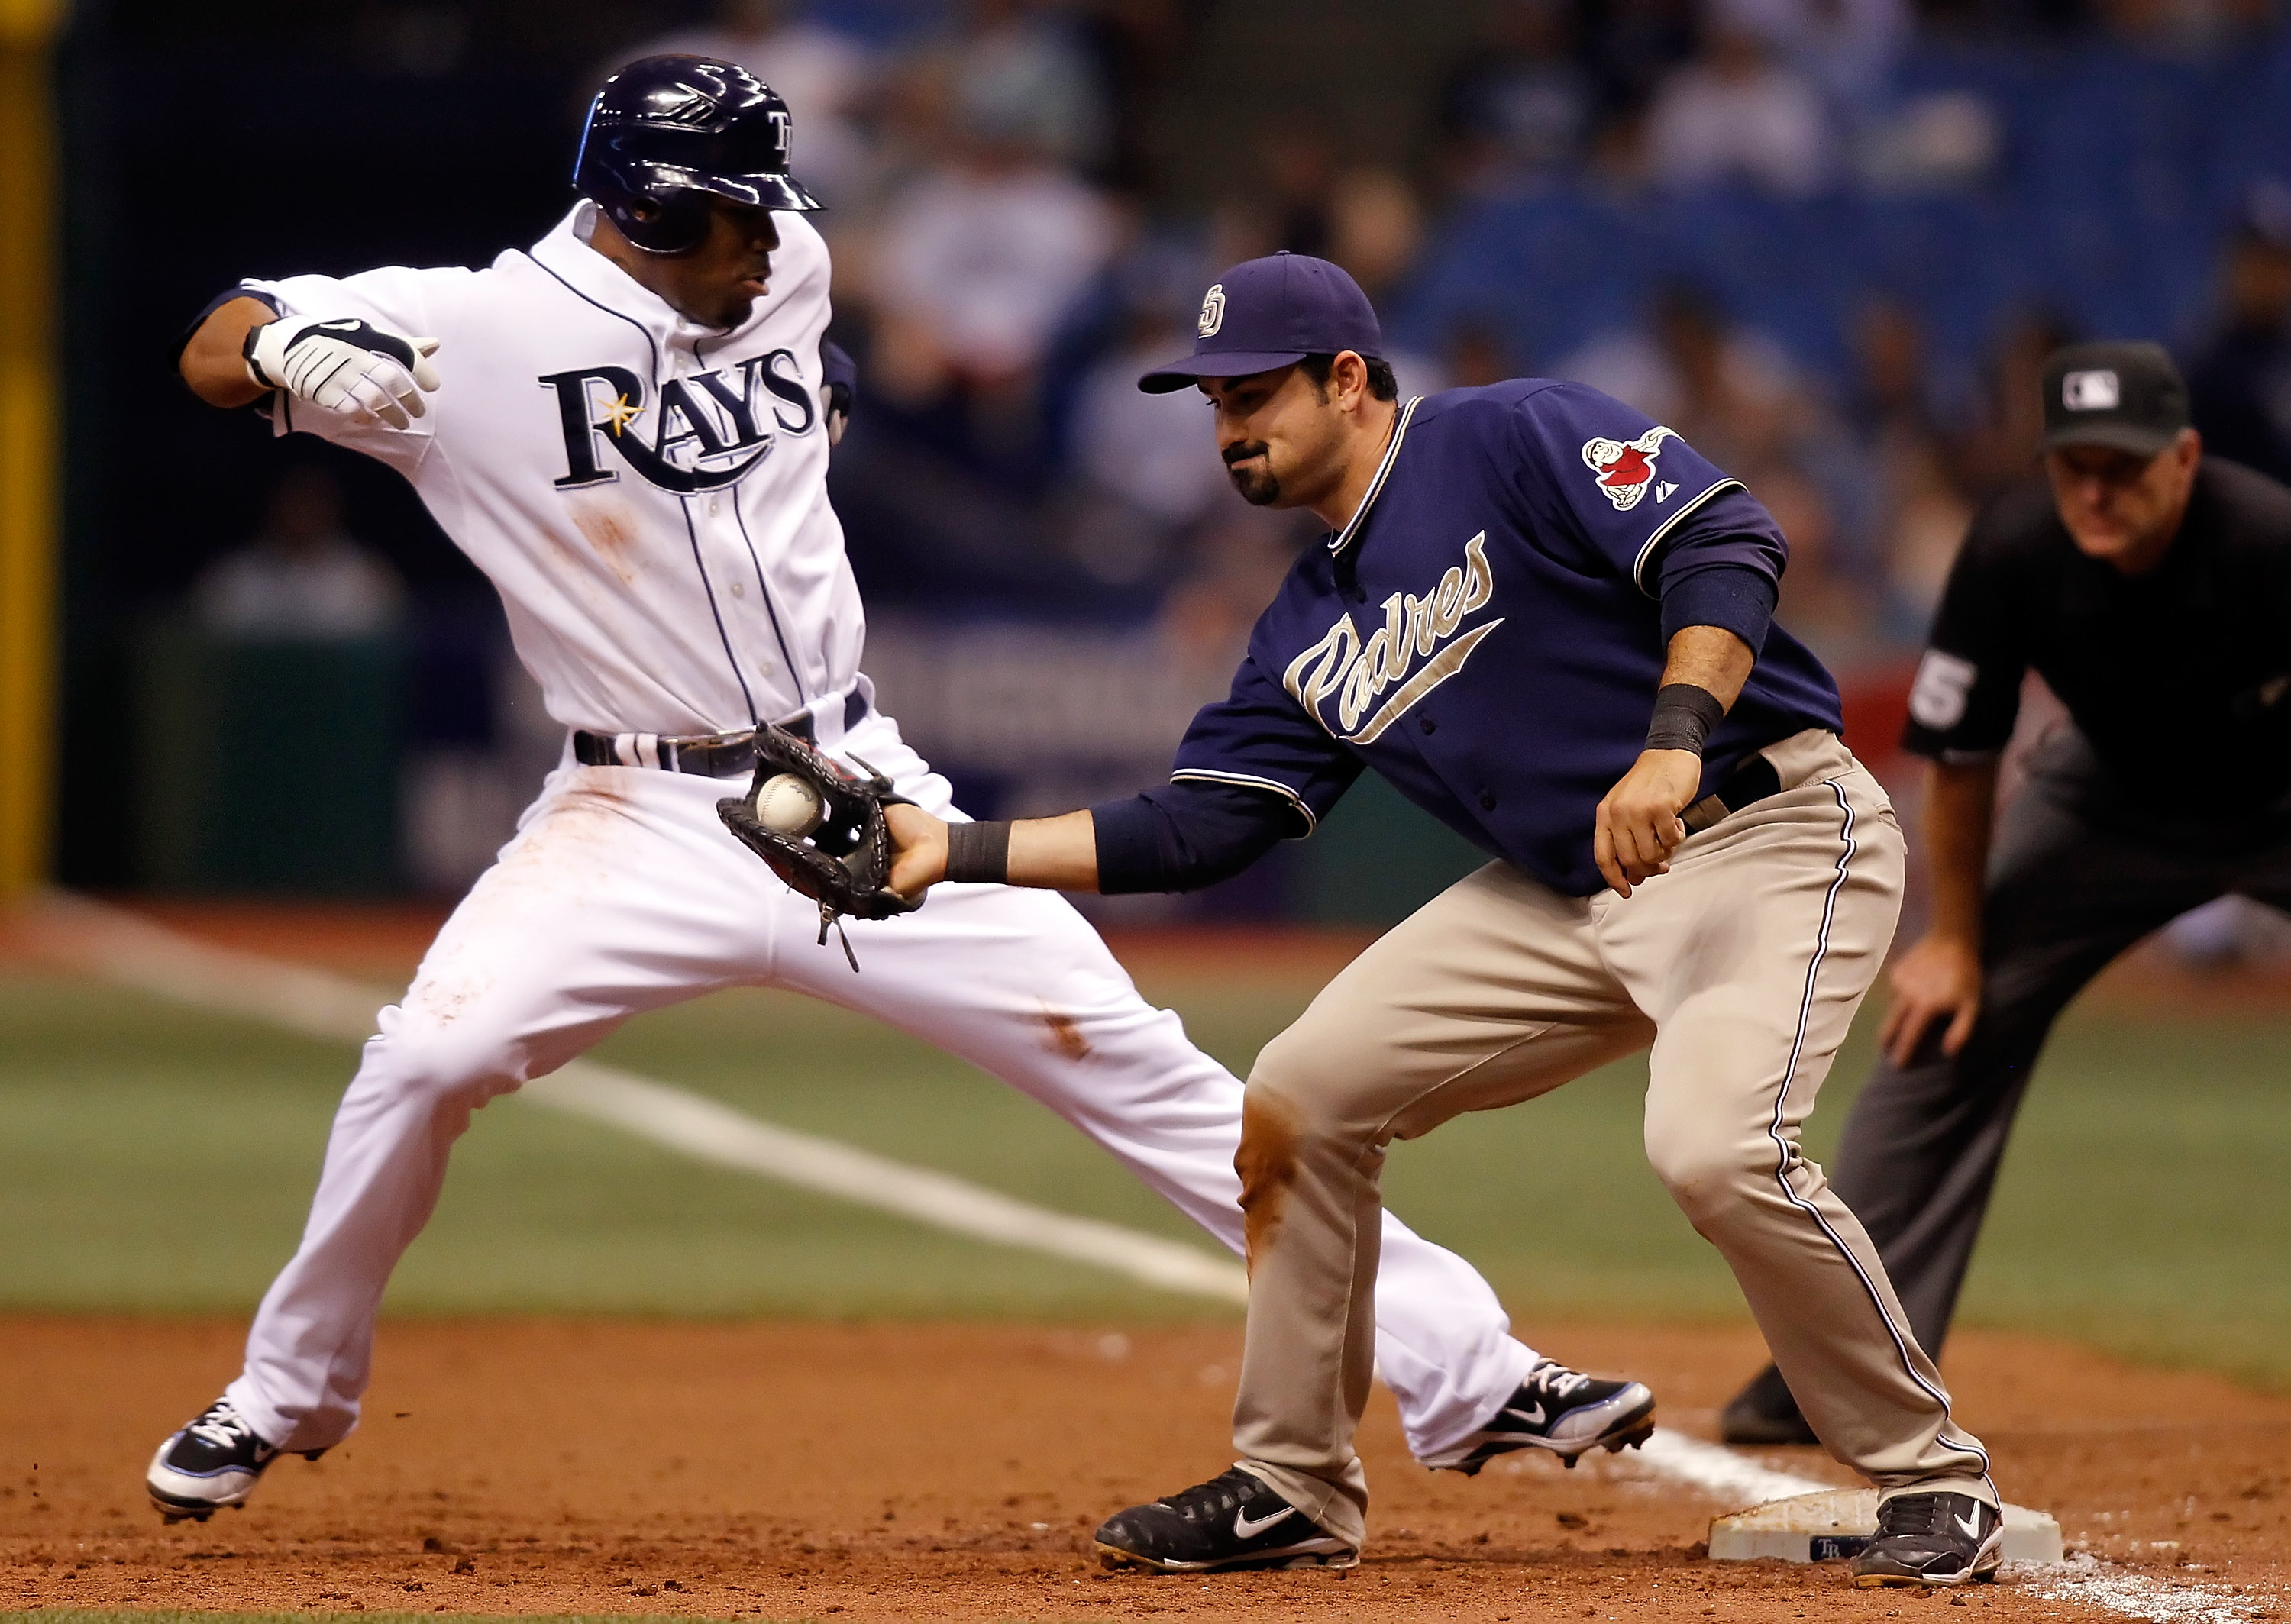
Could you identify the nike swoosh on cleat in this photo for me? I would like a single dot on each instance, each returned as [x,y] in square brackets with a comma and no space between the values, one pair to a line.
[1533,1418]
[1246,1528]
[1972,1525]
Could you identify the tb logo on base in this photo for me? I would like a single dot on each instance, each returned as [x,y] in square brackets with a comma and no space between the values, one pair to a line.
[705,431]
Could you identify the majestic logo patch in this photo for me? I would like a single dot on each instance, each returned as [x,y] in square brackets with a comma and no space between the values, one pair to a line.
[1625,468]
[1212,311]
[1356,673]
[707,430]
[2091,392]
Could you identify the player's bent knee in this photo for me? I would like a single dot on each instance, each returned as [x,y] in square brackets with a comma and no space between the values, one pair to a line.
[436,1064]
[1712,1181]
[1318,1052]
[1298,1080]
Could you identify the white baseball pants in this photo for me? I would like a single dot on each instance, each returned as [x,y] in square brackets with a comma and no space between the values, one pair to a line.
[620,893]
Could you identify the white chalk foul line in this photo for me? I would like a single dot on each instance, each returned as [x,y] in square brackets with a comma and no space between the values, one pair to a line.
[707,1131]
[2085,1577]
[2082,1578]
[130,951]
[1721,1472]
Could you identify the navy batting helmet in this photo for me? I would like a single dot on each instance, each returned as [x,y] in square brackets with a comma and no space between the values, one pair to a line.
[667,132]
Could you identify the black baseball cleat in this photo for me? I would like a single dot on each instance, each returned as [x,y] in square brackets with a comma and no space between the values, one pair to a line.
[1232,1521]
[1931,1539]
[1765,1413]
[1563,1411]
[214,1461]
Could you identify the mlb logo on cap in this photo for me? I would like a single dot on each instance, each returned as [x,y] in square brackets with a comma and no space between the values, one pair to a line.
[2091,391]
[2117,395]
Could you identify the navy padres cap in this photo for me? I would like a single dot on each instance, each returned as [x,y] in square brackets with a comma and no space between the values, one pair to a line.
[1274,312]
[2124,396]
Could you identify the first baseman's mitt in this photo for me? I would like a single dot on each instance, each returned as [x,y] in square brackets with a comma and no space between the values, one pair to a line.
[843,861]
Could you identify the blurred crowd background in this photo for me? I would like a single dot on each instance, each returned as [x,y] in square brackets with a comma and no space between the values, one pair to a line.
[1828,241]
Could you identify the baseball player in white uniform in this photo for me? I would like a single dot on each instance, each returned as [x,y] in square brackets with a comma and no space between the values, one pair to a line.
[627,429]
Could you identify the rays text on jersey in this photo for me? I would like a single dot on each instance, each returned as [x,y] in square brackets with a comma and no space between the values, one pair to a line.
[702,433]
[1355,672]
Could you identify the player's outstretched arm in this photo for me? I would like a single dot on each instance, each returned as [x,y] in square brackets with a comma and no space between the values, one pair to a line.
[1638,825]
[214,362]
[1179,836]
[244,351]
[1253,770]
[1052,854]
[1940,978]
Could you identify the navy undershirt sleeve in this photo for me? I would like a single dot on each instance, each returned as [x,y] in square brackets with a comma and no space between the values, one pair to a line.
[1733,596]
[1186,835]
[1722,567]
[838,369]
[183,338]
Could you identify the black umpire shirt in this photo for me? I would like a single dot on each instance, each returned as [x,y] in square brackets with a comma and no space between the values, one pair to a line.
[2180,679]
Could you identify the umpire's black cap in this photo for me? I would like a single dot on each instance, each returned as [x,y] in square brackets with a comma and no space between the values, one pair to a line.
[2123,394]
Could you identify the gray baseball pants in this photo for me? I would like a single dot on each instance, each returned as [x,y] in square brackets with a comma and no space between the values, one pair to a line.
[2072,882]
[1743,967]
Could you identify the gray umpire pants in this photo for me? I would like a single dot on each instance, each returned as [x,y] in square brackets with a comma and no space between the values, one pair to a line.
[2075,877]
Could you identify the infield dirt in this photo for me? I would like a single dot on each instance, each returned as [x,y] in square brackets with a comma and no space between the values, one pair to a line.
[878,1471]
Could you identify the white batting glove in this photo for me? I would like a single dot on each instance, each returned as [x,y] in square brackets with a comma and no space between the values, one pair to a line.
[367,374]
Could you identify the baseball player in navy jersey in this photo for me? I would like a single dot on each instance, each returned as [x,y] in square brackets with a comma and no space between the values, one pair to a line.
[1545,619]
[627,429]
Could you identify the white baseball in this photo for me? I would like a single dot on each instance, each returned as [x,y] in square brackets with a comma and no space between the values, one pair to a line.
[787,805]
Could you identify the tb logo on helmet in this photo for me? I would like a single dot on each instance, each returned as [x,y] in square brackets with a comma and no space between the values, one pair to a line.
[704,433]
[667,132]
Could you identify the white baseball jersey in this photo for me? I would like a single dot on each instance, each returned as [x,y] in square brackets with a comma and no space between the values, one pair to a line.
[648,495]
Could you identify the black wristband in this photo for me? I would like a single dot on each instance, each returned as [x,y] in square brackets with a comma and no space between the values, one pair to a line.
[1683,715]
[263,378]
[978,854]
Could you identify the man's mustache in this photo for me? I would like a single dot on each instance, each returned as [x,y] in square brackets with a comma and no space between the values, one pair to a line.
[1242,454]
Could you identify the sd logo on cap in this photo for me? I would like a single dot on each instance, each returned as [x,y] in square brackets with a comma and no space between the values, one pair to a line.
[1274,312]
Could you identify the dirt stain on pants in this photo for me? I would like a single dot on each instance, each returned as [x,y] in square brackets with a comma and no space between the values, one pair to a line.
[1266,1162]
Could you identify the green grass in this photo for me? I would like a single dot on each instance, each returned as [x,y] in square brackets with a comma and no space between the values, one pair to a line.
[153,1158]
[157,1159]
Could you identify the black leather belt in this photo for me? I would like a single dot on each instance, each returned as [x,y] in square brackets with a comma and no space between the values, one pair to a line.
[712,755]
[1748,781]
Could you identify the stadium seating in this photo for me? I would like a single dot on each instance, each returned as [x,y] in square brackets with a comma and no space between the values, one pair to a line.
[2119,172]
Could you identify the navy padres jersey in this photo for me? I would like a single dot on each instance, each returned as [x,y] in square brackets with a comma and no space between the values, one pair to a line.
[1487,631]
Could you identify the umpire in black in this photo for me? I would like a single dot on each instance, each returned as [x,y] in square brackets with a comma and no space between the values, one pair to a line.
[2151,586]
